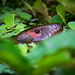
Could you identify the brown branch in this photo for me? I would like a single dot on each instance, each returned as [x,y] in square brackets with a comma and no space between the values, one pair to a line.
[29,8]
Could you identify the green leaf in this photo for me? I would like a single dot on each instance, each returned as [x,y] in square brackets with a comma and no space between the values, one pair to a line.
[23,48]
[4,1]
[40,7]
[9,35]
[18,11]
[65,71]
[72,25]
[26,16]
[17,20]
[47,63]
[9,20]
[2,17]
[3,26]
[3,29]
[20,26]
[69,5]
[11,55]
[8,71]
[33,45]
[56,19]
[51,46]
[33,24]
[4,68]
[35,19]
[61,12]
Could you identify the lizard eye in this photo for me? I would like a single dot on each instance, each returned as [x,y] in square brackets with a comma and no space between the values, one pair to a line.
[37,31]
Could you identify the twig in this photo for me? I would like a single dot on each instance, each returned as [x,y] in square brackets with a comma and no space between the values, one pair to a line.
[29,8]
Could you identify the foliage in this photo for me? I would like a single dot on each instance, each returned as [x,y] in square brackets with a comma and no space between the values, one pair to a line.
[61,11]
[46,56]
[9,21]
[5,68]
[56,19]
[72,25]
[56,53]
[69,4]
[26,16]
[39,6]
[17,61]
[23,48]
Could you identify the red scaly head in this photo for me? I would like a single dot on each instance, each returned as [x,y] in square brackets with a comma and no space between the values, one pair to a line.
[38,34]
